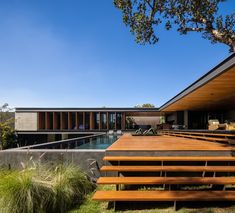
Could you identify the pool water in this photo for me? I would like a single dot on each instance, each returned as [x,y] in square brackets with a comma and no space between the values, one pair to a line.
[99,142]
[90,142]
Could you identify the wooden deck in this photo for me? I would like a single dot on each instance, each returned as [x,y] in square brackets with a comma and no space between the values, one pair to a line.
[166,143]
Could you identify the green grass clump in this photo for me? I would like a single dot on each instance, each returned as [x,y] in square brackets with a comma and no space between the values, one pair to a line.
[43,189]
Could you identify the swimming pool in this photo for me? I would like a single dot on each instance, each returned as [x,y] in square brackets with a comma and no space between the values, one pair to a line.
[101,141]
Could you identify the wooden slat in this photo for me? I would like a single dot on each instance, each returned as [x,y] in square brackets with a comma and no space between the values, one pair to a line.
[164,196]
[202,137]
[218,93]
[166,180]
[168,158]
[201,133]
[168,168]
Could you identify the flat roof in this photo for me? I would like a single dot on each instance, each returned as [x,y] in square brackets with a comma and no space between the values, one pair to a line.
[88,109]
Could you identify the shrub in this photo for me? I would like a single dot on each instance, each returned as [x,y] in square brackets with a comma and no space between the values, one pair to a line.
[42,189]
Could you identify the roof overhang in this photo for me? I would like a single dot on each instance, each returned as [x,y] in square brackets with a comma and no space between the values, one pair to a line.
[213,91]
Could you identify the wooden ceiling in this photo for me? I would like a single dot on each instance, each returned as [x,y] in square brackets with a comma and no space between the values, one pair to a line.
[217,94]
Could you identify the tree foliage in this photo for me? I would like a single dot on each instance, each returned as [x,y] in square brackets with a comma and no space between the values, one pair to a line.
[147,105]
[7,133]
[143,16]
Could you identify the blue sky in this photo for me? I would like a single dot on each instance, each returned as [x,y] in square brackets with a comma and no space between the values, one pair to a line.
[73,53]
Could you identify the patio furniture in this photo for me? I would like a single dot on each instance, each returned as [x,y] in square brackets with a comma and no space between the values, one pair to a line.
[110,132]
[119,132]
[213,124]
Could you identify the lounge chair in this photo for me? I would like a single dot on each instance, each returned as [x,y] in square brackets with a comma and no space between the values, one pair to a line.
[149,132]
[139,131]
[110,132]
[119,132]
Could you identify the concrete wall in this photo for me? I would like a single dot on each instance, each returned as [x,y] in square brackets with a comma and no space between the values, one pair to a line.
[25,121]
[15,157]
[147,120]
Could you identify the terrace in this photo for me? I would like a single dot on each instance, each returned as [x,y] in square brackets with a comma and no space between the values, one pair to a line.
[172,168]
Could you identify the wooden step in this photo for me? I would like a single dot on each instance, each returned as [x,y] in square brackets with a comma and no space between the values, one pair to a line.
[164,196]
[168,168]
[166,180]
[202,137]
[202,133]
[169,158]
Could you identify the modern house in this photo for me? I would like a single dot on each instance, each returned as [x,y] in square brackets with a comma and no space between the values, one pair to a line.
[62,123]
[210,97]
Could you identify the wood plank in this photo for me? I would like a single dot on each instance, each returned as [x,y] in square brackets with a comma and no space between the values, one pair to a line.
[204,133]
[201,137]
[168,168]
[199,133]
[164,196]
[208,138]
[169,158]
[166,180]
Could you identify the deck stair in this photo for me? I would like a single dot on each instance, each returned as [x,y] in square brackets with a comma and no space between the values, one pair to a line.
[209,136]
[172,174]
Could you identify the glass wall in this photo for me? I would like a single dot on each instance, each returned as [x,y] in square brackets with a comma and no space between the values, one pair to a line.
[57,120]
[103,120]
[87,120]
[96,120]
[119,120]
[112,119]
[64,120]
[72,120]
[80,121]
[49,124]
